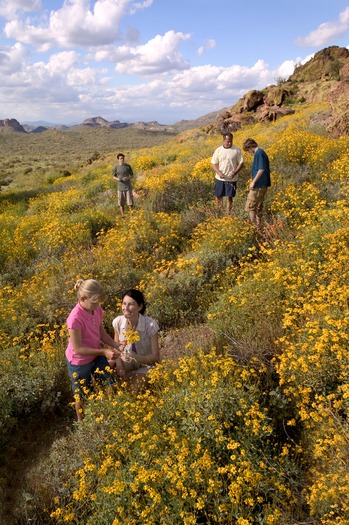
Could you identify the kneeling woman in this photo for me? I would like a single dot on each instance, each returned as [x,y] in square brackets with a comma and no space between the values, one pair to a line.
[139,334]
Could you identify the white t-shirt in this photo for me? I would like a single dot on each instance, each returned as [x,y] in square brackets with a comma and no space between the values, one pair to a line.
[228,159]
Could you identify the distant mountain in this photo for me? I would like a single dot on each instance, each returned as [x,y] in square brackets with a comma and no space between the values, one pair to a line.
[205,120]
[100,122]
[97,122]
[37,129]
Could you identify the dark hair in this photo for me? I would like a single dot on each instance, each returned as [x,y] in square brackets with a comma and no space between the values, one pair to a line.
[120,155]
[249,144]
[138,297]
[227,134]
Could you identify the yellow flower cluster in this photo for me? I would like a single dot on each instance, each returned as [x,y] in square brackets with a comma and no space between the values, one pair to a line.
[162,463]
[131,336]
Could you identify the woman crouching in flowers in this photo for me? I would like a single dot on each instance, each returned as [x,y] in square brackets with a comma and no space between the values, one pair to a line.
[138,334]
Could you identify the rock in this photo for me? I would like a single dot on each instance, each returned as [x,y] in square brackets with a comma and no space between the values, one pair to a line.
[11,124]
[324,78]
[325,65]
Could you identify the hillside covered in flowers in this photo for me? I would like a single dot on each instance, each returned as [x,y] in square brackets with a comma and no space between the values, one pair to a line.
[250,425]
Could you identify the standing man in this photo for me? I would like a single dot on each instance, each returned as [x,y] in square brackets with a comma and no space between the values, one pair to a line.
[227,161]
[260,181]
[123,173]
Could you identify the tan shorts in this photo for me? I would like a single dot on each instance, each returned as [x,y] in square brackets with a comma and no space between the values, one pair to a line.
[255,200]
[125,197]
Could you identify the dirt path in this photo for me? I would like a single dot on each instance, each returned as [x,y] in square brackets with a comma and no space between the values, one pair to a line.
[27,445]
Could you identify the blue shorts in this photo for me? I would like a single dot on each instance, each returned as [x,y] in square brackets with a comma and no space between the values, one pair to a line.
[224,188]
[81,375]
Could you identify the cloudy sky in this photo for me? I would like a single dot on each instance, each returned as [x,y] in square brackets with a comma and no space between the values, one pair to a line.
[142,60]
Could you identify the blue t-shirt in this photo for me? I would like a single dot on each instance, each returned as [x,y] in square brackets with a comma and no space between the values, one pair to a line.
[261,162]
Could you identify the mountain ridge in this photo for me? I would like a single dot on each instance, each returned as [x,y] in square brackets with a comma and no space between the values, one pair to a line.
[12,125]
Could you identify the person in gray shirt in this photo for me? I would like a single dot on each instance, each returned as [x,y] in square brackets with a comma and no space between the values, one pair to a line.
[122,172]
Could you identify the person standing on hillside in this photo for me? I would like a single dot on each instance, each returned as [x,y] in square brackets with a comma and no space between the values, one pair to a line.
[227,161]
[260,181]
[122,172]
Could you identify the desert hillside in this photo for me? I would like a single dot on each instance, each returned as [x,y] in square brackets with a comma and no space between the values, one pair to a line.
[245,421]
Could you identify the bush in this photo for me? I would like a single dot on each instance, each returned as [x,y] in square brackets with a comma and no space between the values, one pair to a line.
[198,447]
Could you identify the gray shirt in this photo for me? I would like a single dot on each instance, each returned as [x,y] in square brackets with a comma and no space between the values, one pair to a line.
[120,171]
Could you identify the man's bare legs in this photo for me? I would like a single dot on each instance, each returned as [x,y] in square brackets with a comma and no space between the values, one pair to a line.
[229,203]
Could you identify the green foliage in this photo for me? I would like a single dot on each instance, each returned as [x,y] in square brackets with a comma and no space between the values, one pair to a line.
[30,384]
[181,291]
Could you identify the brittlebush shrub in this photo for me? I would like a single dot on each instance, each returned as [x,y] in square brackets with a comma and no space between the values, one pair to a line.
[247,316]
[197,447]
[180,291]
[298,204]
[313,359]
[174,188]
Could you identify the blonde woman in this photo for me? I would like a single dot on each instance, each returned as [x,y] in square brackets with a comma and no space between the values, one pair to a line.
[86,357]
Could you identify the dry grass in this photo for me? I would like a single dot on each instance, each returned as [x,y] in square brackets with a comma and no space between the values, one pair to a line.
[54,151]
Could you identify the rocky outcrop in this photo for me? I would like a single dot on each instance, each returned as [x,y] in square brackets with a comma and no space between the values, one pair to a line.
[255,106]
[11,124]
[325,65]
[324,78]
[338,99]
[98,122]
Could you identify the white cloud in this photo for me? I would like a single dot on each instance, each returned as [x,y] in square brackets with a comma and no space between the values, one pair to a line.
[69,86]
[326,32]
[286,68]
[9,8]
[87,92]
[27,34]
[82,77]
[74,25]
[198,90]
[64,61]
[243,76]
[210,44]
[159,55]
[11,60]
[140,5]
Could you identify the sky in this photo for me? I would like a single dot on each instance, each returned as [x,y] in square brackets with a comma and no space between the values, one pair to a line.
[65,61]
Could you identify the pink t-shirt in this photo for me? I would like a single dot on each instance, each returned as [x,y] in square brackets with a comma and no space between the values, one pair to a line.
[89,326]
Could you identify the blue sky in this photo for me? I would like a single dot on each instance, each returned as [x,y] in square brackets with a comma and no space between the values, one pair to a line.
[143,60]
